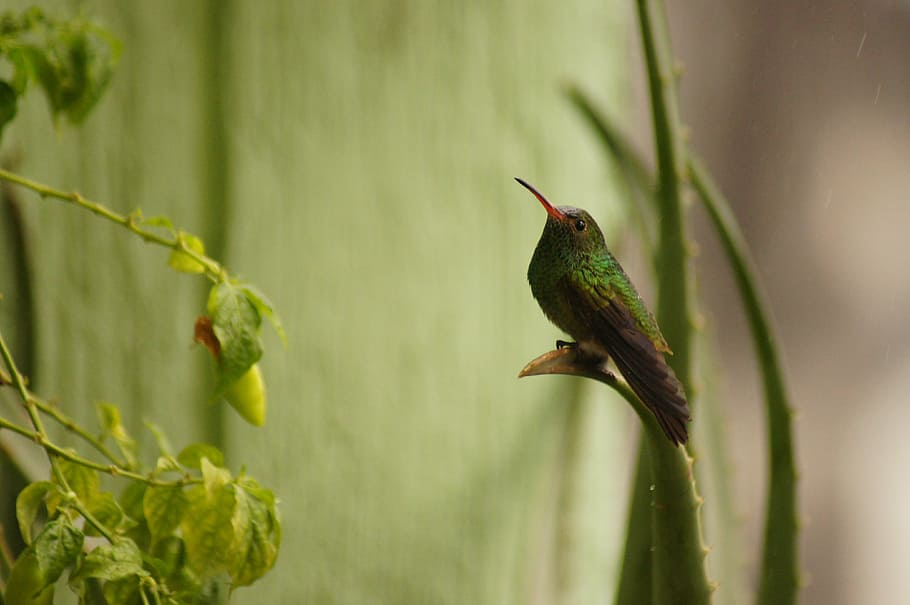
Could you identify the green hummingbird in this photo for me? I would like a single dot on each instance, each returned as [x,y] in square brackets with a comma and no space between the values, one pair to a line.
[584,291]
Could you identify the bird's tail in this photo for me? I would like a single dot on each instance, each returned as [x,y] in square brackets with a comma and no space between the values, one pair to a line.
[655,383]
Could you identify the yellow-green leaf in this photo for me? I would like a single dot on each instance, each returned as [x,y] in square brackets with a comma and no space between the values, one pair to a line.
[208,529]
[116,561]
[235,321]
[258,537]
[213,477]
[26,583]
[191,456]
[121,592]
[132,500]
[82,480]
[28,503]
[183,262]
[56,547]
[265,308]
[105,508]
[111,425]
[164,508]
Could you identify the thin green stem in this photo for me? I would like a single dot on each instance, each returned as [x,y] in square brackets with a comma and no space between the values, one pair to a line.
[131,222]
[74,427]
[39,435]
[68,423]
[779,578]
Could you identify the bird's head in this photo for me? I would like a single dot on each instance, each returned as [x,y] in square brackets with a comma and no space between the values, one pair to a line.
[568,227]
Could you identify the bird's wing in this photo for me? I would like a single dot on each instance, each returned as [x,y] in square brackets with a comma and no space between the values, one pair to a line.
[634,353]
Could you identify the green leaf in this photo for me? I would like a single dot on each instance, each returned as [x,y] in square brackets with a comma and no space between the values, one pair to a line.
[111,425]
[265,308]
[166,556]
[82,480]
[258,533]
[28,503]
[133,500]
[41,69]
[121,592]
[8,103]
[191,456]
[56,547]
[183,262]
[116,561]
[21,75]
[213,477]
[160,221]
[164,508]
[235,321]
[26,583]
[105,508]
[166,464]
[208,529]
[75,67]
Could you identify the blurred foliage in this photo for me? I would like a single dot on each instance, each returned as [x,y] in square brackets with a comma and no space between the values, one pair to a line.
[176,530]
[71,61]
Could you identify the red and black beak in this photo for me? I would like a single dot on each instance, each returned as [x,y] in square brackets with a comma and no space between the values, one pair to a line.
[550,208]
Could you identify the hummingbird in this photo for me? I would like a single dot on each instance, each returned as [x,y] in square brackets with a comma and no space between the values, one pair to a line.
[582,289]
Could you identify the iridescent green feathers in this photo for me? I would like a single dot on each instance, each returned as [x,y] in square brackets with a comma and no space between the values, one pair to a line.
[582,289]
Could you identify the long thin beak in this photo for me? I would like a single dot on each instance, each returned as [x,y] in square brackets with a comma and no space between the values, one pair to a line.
[550,208]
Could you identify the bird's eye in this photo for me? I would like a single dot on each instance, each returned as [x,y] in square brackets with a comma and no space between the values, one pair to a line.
[580,225]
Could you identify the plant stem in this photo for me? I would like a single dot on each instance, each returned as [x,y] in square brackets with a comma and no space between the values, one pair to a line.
[39,435]
[636,563]
[678,572]
[672,255]
[779,578]
[72,426]
[67,423]
[132,222]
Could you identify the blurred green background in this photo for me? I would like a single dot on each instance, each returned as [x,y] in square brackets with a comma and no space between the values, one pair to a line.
[354,160]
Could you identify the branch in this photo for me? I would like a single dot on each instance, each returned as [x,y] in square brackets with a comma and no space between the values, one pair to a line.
[132,222]
[39,435]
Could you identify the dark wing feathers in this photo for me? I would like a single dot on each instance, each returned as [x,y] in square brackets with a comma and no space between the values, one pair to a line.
[636,356]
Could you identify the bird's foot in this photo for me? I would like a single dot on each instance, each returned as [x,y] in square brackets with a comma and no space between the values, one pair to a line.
[565,344]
